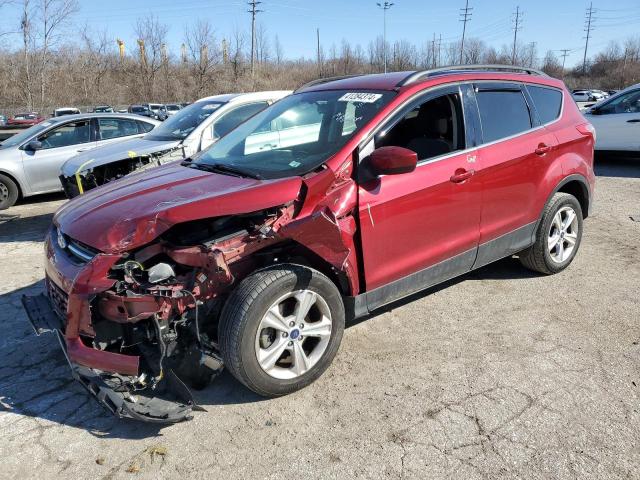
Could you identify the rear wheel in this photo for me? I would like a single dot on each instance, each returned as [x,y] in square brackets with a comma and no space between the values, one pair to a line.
[558,237]
[8,192]
[281,329]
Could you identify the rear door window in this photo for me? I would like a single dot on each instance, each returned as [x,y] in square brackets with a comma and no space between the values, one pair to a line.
[548,102]
[503,113]
[116,127]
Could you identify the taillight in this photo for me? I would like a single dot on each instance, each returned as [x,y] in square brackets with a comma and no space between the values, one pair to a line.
[587,129]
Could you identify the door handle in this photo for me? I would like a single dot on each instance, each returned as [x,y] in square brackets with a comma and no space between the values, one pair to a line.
[461,175]
[80,150]
[635,120]
[542,149]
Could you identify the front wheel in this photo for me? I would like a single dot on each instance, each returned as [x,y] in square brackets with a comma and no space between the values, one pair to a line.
[8,192]
[281,328]
[558,237]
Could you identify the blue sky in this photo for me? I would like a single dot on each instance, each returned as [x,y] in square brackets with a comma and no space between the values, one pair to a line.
[552,24]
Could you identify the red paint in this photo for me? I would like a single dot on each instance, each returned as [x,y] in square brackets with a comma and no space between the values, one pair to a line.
[372,233]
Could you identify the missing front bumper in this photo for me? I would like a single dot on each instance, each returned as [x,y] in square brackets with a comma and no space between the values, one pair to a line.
[169,402]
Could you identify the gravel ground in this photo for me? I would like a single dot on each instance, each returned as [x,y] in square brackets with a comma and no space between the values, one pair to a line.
[498,374]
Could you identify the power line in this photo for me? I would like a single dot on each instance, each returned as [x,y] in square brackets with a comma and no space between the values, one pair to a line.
[384,6]
[465,16]
[254,11]
[517,25]
[588,29]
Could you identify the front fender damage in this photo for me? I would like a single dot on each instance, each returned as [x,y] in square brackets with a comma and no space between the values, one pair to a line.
[142,324]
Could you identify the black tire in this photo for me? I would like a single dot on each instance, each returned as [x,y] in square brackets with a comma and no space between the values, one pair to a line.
[8,192]
[244,310]
[538,257]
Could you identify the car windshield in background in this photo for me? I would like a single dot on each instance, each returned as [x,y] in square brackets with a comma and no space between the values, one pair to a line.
[17,139]
[295,135]
[25,117]
[139,109]
[185,121]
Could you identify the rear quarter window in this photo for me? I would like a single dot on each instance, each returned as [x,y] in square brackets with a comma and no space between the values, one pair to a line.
[548,102]
[503,113]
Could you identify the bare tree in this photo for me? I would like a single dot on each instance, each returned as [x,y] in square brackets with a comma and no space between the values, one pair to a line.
[203,54]
[151,37]
[279,52]
[53,15]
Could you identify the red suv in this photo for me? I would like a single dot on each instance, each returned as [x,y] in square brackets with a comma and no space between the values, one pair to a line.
[343,197]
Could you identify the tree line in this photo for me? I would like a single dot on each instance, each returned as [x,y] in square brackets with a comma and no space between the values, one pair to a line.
[57,63]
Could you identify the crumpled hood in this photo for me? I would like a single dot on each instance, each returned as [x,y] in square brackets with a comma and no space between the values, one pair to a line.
[134,210]
[114,152]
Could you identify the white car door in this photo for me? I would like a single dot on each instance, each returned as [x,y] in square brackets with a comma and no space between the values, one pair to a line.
[617,123]
[42,166]
[112,130]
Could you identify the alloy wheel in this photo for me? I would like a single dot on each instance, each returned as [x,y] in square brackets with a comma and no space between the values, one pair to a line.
[563,234]
[293,334]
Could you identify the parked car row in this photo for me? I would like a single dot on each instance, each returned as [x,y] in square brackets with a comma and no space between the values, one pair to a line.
[157,111]
[295,212]
[76,153]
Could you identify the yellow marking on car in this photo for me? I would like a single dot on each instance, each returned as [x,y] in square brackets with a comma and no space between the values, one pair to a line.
[132,154]
[77,175]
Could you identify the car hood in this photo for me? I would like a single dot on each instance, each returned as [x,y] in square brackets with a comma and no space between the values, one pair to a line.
[134,210]
[114,152]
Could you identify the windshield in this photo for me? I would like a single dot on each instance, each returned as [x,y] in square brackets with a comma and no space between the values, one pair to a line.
[296,134]
[19,138]
[139,109]
[180,125]
[25,116]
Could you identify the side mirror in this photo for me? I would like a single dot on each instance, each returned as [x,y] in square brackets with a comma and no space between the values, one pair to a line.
[33,145]
[392,160]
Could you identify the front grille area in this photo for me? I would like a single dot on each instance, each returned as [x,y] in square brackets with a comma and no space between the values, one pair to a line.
[58,299]
[78,252]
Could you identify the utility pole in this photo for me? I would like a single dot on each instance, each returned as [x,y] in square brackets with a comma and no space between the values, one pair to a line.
[517,25]
[433,51]
[588,28]
[254,11]
[465,16]
[319,59]
[439,49]
[384,6]
[565,54]
[532,58]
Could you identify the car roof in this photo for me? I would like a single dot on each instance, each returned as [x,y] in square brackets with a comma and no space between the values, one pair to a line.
[84,116]
[396,81]
[246,97]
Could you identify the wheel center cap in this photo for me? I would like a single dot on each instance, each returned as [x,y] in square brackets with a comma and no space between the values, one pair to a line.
[295,333]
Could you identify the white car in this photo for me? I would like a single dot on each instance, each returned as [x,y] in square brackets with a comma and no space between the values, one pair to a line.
[191,130]
[617,122]
[59,112]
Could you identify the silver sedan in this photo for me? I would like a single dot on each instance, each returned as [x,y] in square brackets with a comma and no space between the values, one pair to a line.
[30,161]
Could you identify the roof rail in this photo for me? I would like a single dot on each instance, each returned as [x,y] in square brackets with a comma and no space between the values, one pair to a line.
[320,81]
[421,75]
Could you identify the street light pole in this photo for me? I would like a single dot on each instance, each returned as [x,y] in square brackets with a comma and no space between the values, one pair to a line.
[384,6]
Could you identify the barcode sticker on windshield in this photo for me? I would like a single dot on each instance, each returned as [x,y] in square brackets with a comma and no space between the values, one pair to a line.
[360,97]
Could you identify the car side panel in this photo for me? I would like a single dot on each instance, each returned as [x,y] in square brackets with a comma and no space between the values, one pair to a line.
[511,174]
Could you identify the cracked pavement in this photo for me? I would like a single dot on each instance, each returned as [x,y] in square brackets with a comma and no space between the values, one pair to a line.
[498,374]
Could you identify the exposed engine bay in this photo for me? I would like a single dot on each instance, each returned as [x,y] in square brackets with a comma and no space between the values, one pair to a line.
[91,177]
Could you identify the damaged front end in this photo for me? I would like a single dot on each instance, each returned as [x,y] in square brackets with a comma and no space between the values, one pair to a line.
[140,326]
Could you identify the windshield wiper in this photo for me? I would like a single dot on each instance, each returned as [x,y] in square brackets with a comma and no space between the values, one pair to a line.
[225,169]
